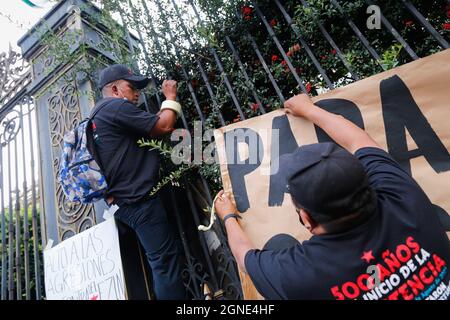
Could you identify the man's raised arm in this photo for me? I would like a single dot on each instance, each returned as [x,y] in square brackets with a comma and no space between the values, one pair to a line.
[170,109]
[342,131]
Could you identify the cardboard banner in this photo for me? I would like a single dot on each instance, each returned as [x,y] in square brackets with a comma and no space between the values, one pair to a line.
[87,266]
[406,110]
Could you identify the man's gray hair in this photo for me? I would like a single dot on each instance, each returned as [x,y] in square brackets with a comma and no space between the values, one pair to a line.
[106,87]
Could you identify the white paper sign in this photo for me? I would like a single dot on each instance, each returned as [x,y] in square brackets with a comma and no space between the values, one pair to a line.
[86,266]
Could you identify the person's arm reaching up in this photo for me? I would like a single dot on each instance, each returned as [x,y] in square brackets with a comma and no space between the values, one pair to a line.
[239,243]
[342,131]
[169,110]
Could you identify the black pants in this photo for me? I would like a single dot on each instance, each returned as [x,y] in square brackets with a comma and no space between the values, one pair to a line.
[149,220]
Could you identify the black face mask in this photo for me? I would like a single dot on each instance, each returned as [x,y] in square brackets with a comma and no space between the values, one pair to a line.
[332,228]
[299,216]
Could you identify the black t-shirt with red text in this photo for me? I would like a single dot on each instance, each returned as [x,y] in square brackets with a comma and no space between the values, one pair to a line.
[401,252]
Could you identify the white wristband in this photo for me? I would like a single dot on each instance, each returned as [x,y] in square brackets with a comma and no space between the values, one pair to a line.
[172,105]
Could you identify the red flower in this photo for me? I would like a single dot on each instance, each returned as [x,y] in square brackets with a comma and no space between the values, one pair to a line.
[246,10]
[284,63]
[275,58]
[308,87]
[290,53]
[273,22]
[409,23]
[333,51]
[446,26]
[254,107]
[296,47]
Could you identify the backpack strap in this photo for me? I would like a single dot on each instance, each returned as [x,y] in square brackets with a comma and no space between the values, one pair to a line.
[100,107]
[91,144]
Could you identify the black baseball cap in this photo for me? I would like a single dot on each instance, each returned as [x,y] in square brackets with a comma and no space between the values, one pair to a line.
[121,72]
[325,180]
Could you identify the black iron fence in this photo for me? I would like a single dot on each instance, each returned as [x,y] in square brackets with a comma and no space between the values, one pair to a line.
[262,40]
[234,60]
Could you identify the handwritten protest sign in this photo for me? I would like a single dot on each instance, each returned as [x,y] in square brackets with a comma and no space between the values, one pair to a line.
[86,266]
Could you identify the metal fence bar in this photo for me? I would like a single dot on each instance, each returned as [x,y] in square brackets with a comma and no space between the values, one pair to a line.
[216,58]
[146,55]
[202,71]
[335,46]
[10,231]
[220,230]
[201,237]
[34,213]
[253,44]
[185,74]
[358,33]
[4,278]
[132,51]
[395,33]
[195,290]
[426,24]
[18,221]
[26,233]
[226,269]
[266,68]
[244,72]
[305,45]
[280,47]
[200,66]
[131,48]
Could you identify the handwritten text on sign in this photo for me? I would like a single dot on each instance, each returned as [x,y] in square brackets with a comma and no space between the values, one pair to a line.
[87,266]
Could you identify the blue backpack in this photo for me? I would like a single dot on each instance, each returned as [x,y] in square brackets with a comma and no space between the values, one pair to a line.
[80,172]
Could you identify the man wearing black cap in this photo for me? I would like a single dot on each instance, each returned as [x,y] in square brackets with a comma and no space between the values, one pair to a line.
[375,232]
[132,172]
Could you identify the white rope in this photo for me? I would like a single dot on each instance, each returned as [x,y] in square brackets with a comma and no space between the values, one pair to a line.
[212,217]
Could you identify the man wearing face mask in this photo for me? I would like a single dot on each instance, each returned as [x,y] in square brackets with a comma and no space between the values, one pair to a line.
[132,171]
[375,232]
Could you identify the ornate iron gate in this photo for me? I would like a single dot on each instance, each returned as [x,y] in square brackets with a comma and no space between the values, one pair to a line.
[21,270]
